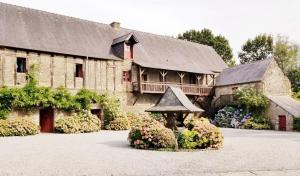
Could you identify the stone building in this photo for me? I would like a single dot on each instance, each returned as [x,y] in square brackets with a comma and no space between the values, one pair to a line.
[76,53]
[266,77]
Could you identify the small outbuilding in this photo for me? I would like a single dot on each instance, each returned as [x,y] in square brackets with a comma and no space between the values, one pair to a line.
[282,112]
[172,104]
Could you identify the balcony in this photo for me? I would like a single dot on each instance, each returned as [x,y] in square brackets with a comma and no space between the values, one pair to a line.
[160,88]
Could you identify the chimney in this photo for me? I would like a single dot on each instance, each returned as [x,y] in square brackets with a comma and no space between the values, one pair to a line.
[115,25]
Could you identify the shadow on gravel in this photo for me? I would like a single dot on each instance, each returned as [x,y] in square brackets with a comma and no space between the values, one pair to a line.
[116,144]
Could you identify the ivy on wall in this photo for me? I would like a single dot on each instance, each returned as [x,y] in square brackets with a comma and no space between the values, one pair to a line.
[31,97]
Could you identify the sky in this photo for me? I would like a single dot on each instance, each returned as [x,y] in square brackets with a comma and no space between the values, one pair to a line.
[237,20]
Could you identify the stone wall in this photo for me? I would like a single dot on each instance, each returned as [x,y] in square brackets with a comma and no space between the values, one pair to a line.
[226,90]
[35,115]
[275,82]
[274,111]
[59,70]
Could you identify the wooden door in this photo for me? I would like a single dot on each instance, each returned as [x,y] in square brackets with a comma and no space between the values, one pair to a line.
[47,120]
[282,123]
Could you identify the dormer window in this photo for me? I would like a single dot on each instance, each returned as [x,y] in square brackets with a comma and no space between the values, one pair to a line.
[128,51]
[123,46]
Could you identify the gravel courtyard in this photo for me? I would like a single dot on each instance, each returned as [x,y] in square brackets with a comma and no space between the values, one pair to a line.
[245,153]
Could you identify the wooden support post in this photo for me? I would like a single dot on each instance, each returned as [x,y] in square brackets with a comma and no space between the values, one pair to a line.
[164,74]
[171,124]
[181,75]
[140,73]
[198,79]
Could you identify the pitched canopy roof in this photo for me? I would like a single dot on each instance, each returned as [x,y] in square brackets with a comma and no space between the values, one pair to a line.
[42,31]
[287,103]
[174,100]
[243,73]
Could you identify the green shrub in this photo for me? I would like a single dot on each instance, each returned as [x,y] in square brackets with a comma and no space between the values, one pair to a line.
[188,139]
[201,134]
[111,107]
[256,125]
[78,123]
[120,123]
[253,100]
[297,124]
[18,127]
[150,134]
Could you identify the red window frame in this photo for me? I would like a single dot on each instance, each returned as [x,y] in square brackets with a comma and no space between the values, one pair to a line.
[126,76]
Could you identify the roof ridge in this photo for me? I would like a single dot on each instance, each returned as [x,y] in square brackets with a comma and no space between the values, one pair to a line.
[104,24]
[247,64]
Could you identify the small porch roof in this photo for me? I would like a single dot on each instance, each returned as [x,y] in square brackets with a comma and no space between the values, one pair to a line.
[174,100]
[287,103]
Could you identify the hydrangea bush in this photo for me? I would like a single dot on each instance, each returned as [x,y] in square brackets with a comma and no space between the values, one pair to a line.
[18,127]
[151,134]
[231,117]
[120,123]
[78,123]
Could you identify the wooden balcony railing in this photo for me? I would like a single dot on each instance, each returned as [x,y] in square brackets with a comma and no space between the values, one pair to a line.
[159,88]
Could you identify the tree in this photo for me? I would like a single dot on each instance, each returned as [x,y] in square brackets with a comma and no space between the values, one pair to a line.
[294,77]
[257,49]
[206,37]
[285,53]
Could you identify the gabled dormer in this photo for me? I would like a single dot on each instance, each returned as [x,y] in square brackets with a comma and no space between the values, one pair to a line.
[123,46]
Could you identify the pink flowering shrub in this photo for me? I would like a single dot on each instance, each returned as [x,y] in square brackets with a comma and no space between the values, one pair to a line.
[150,134]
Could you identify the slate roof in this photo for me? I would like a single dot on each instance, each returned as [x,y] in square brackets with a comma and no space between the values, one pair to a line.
[43,31]
[125,38]
[174,100]
[287,103]
[244,73]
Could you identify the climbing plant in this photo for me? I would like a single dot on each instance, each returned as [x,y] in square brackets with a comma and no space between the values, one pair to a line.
[31,97]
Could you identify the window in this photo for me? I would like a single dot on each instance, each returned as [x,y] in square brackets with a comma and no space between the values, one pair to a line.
[21,65]
[126,76]
[79,71]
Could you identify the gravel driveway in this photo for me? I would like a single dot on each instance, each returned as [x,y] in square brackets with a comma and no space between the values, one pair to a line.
[245,153]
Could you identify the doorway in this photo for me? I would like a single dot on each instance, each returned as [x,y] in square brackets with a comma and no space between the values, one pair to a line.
[47,120]
[282,123]
[98,113]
